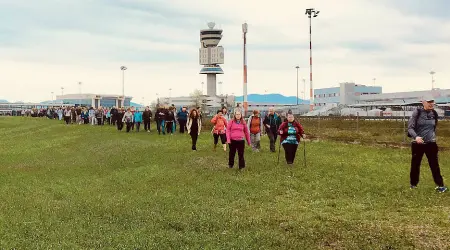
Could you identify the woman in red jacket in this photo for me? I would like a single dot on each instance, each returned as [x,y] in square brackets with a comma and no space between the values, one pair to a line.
[220,123]
[290,133]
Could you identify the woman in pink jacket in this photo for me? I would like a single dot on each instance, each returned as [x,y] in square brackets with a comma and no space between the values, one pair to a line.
[237,133]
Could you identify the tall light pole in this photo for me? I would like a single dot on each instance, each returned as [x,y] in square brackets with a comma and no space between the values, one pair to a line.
[157,100]
[304,89]
[62,90]
[79,101]
[203,84]
[297,67]
[432,79]
[245,30]
[311,13]
[170,95]
[52,98]
[374,79]
[220,88]
[123,68]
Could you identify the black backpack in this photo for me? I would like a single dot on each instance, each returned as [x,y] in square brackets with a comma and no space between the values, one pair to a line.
[418,115]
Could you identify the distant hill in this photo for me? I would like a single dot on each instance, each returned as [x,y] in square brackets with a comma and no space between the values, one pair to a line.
[272,98]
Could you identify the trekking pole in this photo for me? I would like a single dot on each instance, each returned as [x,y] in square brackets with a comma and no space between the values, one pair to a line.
[279,150]
[304,152]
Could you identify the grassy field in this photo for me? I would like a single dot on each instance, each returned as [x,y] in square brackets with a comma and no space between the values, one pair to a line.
[79,187]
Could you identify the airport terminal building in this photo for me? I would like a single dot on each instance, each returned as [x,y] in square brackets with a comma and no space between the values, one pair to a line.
[94,100]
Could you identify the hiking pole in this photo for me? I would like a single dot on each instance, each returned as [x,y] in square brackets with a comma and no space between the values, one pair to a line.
[279,150]
[304,152]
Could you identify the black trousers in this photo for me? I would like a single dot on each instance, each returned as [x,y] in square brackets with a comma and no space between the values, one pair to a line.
[431,151]
[238,146]
[169,127]
[113,119]
[129,125]
[99,121]
[223,138]
[182,124]
[138,125]
[289,152]
[194,137]
[67,119]
[119,125]
[273,139]
[146,125]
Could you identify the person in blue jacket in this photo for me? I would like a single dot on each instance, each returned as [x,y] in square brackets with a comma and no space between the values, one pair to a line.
[182,119]
[137,119]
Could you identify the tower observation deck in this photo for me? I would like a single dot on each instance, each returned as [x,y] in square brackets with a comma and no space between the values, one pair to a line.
[211,55]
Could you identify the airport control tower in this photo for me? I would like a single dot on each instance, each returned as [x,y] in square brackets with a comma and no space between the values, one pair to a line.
[211,56]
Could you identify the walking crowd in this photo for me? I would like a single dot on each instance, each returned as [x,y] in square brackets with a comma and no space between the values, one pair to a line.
[235,132]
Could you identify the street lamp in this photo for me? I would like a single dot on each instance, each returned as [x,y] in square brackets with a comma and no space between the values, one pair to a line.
[374,79]
[432,79]
[79,100]
[297,67]
[220,88]
[52,99]
[304,89]
[203,84]
[311,13]
[123,68]
[170,95]
[157,99]
[62,90]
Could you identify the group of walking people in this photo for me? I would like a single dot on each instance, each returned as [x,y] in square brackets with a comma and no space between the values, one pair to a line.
[234,131]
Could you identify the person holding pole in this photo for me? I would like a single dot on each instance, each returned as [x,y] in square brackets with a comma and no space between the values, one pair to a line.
[290,133]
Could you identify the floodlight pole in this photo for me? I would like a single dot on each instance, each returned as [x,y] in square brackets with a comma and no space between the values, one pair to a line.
[311,13]
[432,79]
[123,68]
[297,67]
[244,31]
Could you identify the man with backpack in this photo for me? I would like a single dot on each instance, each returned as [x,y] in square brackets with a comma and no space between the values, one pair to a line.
[422,129]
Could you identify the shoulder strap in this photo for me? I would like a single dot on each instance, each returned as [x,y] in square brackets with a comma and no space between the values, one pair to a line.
[435,119]
[419,110]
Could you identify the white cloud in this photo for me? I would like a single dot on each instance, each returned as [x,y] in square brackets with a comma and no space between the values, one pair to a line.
[53,45]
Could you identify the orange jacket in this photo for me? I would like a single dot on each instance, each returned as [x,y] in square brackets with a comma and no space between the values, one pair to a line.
[220,123]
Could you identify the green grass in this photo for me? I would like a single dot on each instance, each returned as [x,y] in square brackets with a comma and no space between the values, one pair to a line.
[72,187]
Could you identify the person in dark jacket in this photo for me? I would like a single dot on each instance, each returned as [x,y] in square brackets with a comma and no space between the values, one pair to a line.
[119,120]
[182,119]
[422,130]
[114,115]
[170,119]
[272,122]
[160,118]
[290,133]
[147,117]
[194,127]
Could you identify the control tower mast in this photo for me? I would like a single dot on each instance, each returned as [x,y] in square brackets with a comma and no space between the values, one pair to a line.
[211,55]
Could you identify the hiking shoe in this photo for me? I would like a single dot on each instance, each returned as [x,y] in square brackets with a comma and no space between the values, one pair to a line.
[412,187]
[441,189]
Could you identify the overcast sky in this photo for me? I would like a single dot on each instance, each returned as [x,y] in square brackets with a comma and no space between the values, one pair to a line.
[49,44]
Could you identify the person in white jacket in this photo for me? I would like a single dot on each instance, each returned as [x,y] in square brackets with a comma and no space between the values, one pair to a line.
[128,119]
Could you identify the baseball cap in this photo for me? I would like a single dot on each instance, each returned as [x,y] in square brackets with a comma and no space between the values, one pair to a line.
[428,98]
